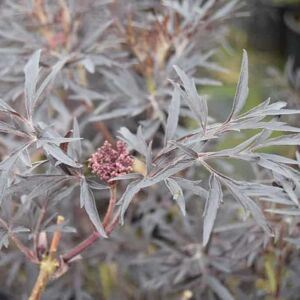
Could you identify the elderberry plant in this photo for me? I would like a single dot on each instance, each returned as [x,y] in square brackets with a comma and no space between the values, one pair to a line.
[199,221]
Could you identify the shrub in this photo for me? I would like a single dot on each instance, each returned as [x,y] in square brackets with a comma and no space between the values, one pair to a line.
[124,79]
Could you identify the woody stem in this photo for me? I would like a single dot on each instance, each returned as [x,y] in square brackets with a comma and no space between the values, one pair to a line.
[48,265]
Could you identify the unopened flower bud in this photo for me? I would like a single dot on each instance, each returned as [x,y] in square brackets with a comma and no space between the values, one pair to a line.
[109,162]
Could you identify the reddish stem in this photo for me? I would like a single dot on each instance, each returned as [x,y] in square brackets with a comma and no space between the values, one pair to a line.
[90,240]
[108,225]
[25,250]
[81,247]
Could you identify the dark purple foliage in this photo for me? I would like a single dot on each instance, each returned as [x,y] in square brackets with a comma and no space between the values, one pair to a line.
[201,221]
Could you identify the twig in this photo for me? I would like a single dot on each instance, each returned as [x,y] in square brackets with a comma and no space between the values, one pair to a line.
[25,250]
[56,238]
[81,247]
[48,265]
[90,240]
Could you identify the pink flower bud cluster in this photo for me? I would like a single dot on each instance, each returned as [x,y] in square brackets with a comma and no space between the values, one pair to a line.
[109,162]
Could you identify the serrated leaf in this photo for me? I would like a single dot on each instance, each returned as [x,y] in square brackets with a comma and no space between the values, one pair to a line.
[284,140]
[288,187]
[256,124]
[241,90]
[7,128]
[249,205]
[6,166]
[118,113]
[264,192]
[26,183]
[177,193]
[146,149]
[173,115]
[8,162]
[277,158]
[161,174]
[4,241]
[95,185]
[126,83]
[58,154]
[5,107]
[4,176]
[50,77]
[239,148]
[275,167]
[47,188]
[134,141]
[87,201]
[75,148]
[31,71]
[25,158]
[188,151]
[84,190]
[192,186]
[132,189]
[213,201]
[196,103]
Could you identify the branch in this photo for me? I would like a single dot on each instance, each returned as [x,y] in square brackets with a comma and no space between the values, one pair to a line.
[67,257]
[48,265]
[24,249]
